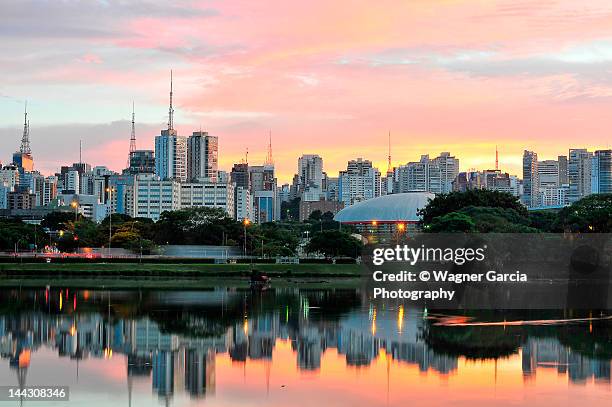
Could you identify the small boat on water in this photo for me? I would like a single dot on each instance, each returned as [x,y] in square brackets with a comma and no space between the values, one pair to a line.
[260,281]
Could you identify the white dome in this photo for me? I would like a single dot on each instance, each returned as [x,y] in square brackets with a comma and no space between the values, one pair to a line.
[386,208]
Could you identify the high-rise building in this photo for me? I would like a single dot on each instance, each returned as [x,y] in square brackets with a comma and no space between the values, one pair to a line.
[207,194]
[21,200]
[601,172]
[141,162]
[359,182]
[171,156]
[579,173]
[266,207]
[202,160]
[548,173]
[563,179]
[171,150]
[531,183]
[310,172]
[9,177]
[72,181]
[428,175]
[448,169]
[243,204]
[240,175]
[153,196]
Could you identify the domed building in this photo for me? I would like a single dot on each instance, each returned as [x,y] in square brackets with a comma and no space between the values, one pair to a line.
[387,214]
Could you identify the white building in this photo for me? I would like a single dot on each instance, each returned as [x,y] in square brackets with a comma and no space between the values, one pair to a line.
[359,182]
[171,156]
[579,173]
[202,157]
[153,196]
[310,171]
[427,175]
[9,177]
[243,206]
[208,194]
[73,181]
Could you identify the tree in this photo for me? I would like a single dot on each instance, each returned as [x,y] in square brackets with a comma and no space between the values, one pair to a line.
[455,201]
[545,221]
[291,210]
[315,215]
[497,220]
[333,243]
[592,214]
[58,220]
[452,222]
[16,232]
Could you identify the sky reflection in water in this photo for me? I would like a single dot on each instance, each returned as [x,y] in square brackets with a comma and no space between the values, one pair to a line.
[288,346]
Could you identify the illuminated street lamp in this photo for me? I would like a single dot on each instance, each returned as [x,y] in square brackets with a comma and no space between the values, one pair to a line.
[246,222]
[110,191]
[75,205]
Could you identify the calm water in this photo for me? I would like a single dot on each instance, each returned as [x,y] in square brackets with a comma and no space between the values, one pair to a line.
[227,346]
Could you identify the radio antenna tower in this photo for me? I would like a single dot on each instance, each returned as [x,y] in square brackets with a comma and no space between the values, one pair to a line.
[132,137]
[171,109]
[269,160]
[25,139]
[496,159]
[389,166]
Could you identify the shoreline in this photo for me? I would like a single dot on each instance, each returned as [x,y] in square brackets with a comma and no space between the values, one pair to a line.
[15,271]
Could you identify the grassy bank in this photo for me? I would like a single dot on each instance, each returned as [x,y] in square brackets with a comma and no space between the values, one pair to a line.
[111,270]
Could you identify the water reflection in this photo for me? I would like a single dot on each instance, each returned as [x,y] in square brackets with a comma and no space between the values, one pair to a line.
[175,340]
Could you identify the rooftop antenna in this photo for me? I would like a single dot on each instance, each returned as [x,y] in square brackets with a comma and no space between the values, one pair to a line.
[389,166]
[496,159]
[80,151]
[25,139]
[269,160]
[133,136]
[246,157]
[171,109]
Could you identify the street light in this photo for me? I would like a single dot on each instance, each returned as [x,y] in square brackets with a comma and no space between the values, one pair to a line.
[110,217]
[246,222]
[75,205]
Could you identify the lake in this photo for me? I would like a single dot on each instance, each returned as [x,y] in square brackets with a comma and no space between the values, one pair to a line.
[295,345]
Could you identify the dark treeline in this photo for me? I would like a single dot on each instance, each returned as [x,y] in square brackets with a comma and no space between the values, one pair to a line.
[193,226]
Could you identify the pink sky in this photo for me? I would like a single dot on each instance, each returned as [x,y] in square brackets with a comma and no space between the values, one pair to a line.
[325,77]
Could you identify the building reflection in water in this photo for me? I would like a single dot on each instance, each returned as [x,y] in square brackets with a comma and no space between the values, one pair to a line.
[184,361]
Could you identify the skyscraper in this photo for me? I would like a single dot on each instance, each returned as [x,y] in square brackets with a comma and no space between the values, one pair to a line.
[171,150]
[579,173]
[310,172]
[531,181]
[202,156]
[429,175]
[171,156]
[601,172]
[562,159]
[359,182]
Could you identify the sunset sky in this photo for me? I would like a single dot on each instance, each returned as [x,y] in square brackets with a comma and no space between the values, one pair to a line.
[326,77]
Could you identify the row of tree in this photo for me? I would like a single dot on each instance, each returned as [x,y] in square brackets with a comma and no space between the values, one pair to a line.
[193,226]
[487,211]
[472,211]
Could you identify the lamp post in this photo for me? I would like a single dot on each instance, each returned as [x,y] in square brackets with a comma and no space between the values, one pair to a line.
[246,222]
[75,205]
[110,217]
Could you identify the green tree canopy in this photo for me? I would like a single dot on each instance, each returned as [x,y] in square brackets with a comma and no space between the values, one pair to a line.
[335,243]
[455,201]
[451,223]
[590,214]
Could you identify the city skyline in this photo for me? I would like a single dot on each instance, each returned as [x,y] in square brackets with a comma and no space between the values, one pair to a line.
[319,77]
